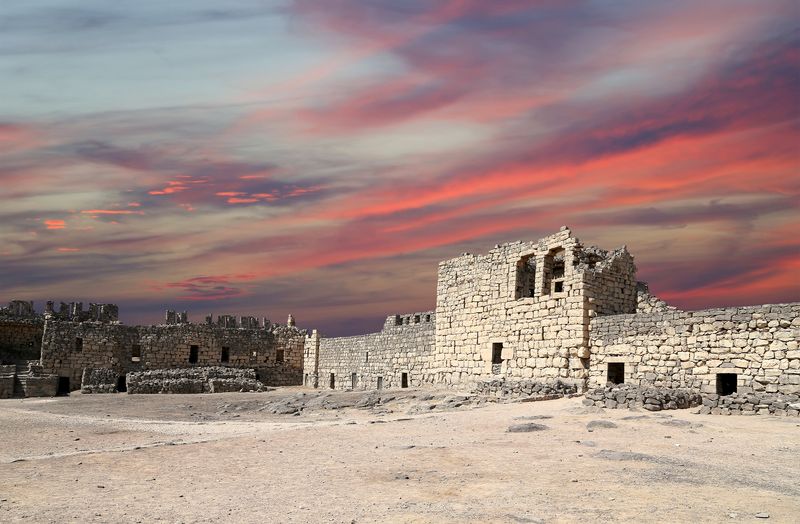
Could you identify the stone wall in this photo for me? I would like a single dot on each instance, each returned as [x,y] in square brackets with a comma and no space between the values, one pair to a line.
[8,373]
[102,380]
[70,347]
[700,350]
[374,361]
[214,379]
[522,311]
[20,339]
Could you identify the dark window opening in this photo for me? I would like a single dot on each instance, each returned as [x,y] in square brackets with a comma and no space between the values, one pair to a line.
[497,353]
[416,319]
[616,372]
[333,381]
[194,352]
[553,271]
[366,357]
[63,386]
[404,380]
[427,318]
[526,277]
[398,320]
[279,356]
[136,352]
[305,379]
[380,383]
[353,380]
[726,383]
[78,344]
[225,355]
[122,385]
[497,357]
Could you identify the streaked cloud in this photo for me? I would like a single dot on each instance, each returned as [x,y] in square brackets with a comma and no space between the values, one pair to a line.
[321,157]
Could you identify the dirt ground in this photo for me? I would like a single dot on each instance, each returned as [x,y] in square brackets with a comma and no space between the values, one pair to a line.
[296,455]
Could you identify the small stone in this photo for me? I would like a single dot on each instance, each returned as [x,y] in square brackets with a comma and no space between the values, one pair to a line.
[762,515]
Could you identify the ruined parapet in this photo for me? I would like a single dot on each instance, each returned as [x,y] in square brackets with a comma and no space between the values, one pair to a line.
[19,309]
[172,318]
[646,302]
[409,319]
[73,312]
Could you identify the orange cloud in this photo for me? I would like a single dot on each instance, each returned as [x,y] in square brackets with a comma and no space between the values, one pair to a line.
[55,224]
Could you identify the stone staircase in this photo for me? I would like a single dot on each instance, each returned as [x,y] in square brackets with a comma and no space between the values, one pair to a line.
[26,380]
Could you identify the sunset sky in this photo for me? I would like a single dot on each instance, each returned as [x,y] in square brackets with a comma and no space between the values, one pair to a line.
[320,157]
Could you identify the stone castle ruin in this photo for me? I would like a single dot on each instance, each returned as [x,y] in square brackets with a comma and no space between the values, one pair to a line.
[529,319]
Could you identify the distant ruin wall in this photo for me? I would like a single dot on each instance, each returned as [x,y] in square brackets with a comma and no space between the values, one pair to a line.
[374,361]
[758,345]
[70,347]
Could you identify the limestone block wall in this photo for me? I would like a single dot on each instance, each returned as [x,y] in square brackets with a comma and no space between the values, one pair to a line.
[689,349]
[522,311]
[69,347]
[374,361]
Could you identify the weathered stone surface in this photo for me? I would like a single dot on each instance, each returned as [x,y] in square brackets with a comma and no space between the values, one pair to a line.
[193,380]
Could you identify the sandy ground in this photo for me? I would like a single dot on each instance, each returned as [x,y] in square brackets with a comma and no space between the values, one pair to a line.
[420,457]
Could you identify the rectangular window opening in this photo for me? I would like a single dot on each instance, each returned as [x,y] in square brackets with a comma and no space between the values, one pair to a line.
[726,383]
[366,357]
[616,372]
[225,354]
[194,352]
[558,286]
[497,357]
[333,381]
[78,344]
[380,383]
[497,353]
[404,380]
[279,356]
[353,380]
[136,353]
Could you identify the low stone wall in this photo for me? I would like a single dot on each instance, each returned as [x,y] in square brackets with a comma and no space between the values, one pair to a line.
[101,380]
[7,376]
[501,388]
[657,399]
[193,380]
[649,398]
[752,403]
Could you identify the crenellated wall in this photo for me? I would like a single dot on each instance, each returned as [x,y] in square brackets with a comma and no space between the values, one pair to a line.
[376,360]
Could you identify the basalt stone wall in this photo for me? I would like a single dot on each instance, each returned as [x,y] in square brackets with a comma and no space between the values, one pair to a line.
[214,379]
[8,374]
[70,347]
[649,398]
[374,361]
[522,311]
[20,339]
[101,380]
[501,388]
[752,349]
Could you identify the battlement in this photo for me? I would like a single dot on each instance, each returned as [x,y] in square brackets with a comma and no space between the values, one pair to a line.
[409,319]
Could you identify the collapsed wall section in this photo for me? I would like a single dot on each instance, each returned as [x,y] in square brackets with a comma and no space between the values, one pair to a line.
[398,356]
[752,349]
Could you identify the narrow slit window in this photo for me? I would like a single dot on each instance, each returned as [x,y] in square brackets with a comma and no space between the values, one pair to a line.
[404,380]
[225,355]
[78,344]
[194,353]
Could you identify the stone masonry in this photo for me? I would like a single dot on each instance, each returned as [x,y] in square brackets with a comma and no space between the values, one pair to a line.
[542,319]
